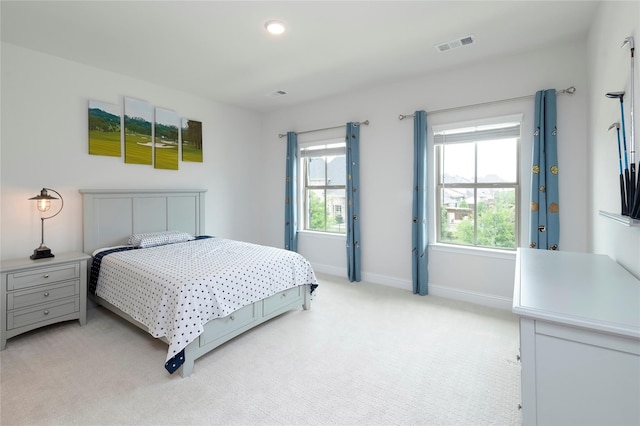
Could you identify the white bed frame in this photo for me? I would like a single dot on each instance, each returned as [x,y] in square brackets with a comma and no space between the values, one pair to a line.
[111,216]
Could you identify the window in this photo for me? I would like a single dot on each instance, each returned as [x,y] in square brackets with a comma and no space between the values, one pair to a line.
[477,184]
[323,186]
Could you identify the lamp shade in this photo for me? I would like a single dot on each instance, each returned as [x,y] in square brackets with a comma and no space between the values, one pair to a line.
[43,200]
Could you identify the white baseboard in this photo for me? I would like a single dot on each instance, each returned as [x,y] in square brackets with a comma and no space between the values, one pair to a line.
[370,278]
[464,295]
[388,281]
[439,290]
[329,270]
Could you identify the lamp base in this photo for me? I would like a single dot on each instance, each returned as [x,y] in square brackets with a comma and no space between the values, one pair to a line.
[41,253]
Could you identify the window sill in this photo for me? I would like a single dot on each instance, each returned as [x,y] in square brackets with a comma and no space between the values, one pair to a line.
[474,251]
[328,235]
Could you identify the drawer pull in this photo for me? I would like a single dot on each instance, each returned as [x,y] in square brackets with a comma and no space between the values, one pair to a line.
[232,318]
[46,312]
[46,294]
[46,275]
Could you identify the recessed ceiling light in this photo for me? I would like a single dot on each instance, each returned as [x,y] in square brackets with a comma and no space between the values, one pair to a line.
[274,27]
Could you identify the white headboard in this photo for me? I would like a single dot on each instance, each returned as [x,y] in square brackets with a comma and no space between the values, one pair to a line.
[110,216]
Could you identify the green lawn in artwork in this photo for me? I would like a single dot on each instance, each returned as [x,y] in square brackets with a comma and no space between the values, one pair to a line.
[104,143]
[137,148]
[189,153]
[166,155]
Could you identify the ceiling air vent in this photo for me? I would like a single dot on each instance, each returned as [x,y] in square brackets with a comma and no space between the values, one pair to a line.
[454,44]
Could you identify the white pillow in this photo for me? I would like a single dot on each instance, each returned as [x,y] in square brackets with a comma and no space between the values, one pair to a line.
[151,239]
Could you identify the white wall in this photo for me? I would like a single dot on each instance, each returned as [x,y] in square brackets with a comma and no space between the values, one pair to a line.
[44,144]
[386,166]
[609,71]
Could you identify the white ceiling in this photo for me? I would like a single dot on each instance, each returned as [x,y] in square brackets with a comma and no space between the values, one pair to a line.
[221,51]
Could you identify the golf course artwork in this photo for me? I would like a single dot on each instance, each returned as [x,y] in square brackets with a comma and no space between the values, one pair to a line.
[104,129]
[153,136]
[138,144]
[166,139]
[191,140]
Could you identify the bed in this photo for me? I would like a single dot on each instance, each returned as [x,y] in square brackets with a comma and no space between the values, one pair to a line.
[137,277]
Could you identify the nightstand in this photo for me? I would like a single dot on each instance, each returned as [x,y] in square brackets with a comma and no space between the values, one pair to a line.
[35,293]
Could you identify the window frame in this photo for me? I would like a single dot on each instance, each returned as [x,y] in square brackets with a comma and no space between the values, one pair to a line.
[304,216]
[439,186]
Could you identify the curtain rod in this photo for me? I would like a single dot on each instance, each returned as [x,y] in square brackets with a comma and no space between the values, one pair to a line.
[357,123]
[570,91]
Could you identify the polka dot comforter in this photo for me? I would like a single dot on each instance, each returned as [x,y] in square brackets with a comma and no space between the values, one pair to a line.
[175,289]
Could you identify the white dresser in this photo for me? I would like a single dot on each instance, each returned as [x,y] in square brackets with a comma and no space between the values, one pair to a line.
[579,339]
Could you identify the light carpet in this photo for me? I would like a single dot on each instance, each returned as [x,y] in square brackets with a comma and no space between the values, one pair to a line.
[364,354]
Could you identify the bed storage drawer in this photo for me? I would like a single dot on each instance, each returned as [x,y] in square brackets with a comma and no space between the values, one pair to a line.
[46,312]
[42,294]
[31,277]
[281,300]
[227,325]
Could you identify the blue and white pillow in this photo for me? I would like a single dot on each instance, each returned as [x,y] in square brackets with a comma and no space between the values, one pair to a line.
[151,239]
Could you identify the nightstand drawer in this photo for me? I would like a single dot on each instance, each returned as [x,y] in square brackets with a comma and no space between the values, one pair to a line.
[42,294]
[47,312]
[20,280]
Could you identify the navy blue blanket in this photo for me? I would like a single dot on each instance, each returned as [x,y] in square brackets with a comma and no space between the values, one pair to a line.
[97,262]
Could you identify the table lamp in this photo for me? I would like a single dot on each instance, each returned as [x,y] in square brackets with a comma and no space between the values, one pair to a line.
[43,203]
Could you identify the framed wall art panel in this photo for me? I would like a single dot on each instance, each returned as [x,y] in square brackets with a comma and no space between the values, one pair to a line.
[191,140]
[138,119]
[166,139]
[105,136]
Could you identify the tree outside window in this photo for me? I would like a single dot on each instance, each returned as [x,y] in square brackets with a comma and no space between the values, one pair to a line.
[477,185]
[323,186]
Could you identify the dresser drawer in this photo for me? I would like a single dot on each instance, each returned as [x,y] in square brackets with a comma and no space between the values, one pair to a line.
[28,316]
[42,294]
[20,280]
